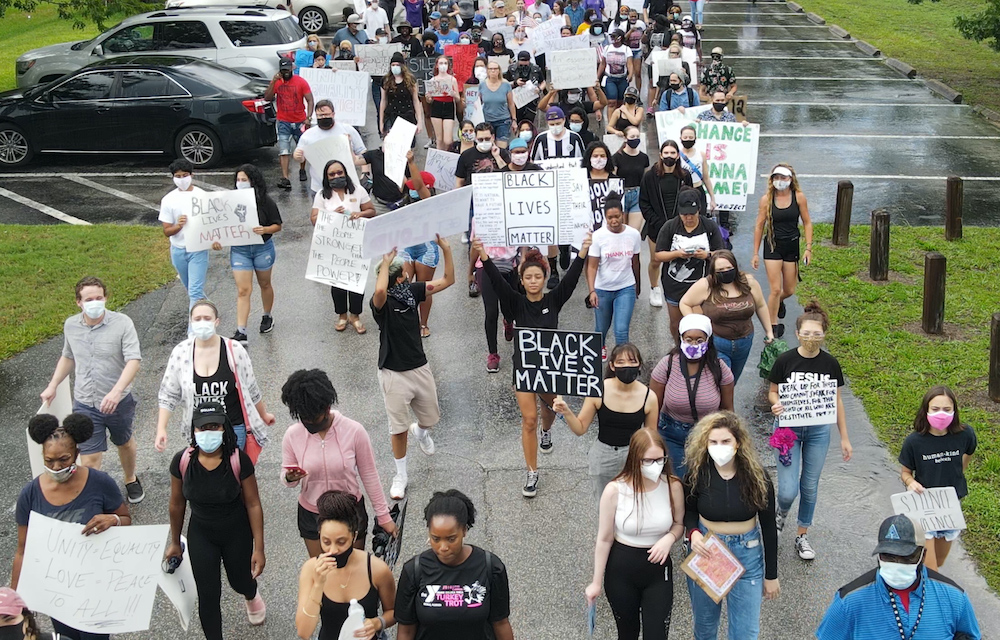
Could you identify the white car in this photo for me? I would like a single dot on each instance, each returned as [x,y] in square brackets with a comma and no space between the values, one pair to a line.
[314,15]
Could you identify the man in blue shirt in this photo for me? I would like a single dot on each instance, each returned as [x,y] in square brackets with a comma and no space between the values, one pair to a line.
[445,34]
[353,32]
[901,598]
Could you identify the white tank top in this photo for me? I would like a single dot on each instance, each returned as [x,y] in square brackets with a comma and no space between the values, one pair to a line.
[693,157]
[641,524]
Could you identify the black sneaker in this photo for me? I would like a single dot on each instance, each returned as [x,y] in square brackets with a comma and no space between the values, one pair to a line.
[781,309]
[302,175]
[564,257]
[553,280]
[473,290]
[240,337]
[545,441]
[778,330]
[134,491]
[530,485]
[284,183]
[266,324]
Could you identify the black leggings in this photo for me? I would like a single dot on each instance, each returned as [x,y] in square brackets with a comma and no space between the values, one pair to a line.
[491,303]
[68,632]
[344,301]
[230,542]
[635,585]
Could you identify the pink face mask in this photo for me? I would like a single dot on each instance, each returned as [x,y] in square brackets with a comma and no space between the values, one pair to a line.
[940,420]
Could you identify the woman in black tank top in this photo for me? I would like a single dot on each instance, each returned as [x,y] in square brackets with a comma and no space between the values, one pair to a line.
[626,407]
[778,215]
[329,582]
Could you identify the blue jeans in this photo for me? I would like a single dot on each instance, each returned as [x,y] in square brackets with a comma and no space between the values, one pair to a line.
[674,434]
[802,476]
[698,11]
[614,307]
[742,601]
[734,353]
[241,435]
[192,268]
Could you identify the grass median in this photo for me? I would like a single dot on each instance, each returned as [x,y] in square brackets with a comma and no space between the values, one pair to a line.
[876,334]
[923,36]
[42,264]
[21,31]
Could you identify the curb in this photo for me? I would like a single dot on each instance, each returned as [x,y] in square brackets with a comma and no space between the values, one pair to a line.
[901,67]
[812,17]
[989,114]
[839,32]
[795,7]
[944,91]
[869,49]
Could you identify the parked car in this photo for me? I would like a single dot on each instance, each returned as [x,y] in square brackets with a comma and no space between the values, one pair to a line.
[314,15]
[172,105]
[248,40]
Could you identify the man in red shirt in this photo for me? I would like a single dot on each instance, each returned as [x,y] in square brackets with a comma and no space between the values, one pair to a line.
[290,91]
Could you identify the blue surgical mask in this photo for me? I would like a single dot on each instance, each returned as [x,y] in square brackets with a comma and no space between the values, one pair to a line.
[525,135]
[576,126]
[208,441]
[414,194]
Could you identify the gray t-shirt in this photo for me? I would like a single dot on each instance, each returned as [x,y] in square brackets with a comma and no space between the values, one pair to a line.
[495,107]
[100,495]
[100,353]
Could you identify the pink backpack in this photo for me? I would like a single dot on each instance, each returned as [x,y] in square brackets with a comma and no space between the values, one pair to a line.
[234,463]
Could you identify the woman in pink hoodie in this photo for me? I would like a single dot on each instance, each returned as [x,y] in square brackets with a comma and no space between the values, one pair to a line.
[326,450]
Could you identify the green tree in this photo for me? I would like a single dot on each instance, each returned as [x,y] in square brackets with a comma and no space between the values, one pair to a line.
[80,12]
[982,26]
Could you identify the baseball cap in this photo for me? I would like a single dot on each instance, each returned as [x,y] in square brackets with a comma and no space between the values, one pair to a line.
[479,19]
[11,604]
[428,179]
[380,32]
[781,171]
[499,4]
[285,63]
[897,536]
[523,55]
[632,91]
[346,45]
[435,15]
[717,50]
[554,113]
[209,413]
[517,143]
[687,202]
[354,19]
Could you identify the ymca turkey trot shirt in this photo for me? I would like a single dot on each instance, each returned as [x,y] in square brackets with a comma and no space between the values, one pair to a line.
[453,603]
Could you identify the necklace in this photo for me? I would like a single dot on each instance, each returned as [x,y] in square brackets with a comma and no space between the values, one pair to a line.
[349,574]
[920,613]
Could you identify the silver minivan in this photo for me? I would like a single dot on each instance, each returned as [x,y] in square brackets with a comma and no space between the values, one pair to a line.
[245,39]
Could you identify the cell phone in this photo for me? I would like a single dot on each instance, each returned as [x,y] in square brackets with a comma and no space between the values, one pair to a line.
[294,468]
[690,250]
[169,565]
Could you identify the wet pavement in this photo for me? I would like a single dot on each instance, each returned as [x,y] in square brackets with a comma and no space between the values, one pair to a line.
[547,543]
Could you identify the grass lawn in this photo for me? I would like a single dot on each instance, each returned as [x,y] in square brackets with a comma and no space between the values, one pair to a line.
[21,32]
[875,333]
[923,36]
[42,264]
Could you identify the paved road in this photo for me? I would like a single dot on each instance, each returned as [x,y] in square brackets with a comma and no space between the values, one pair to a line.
[547,542]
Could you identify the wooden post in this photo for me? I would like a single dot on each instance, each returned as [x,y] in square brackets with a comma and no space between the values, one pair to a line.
[878,267]
[953,209]
[995,358]
[842,219]
[935,268]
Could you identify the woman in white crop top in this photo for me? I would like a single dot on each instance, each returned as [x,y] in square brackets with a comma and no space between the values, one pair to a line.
[641,517]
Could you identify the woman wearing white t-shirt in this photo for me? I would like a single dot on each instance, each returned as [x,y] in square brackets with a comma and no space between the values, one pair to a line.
[613,272]
[340,195]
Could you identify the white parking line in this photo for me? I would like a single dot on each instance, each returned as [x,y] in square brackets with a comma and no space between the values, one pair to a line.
[788,40]
[848,58]
[114,192]
[209,186]
[891,136]
[44,208]
[744,13]
[107,174]
[826,79]
[878,177]
[769,26]
[844,105]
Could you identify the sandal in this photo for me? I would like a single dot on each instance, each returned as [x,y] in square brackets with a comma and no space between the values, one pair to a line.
[341,324]
[360,328]
[425,331]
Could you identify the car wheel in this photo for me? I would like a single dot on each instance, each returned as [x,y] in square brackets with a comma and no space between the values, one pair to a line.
[312,20]
[199,145]
[15,150]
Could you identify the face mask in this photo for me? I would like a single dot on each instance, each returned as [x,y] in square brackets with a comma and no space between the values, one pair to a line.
[286,75]
[325,123]
[429,48]
[481,73]
[414,194]
[629,100]
[782,185]
[675,85]
[203,329]
[183,183]
[476,37]
[898,575]
[520,159]
[694,351]
[687,144]
[669,162]
[445,27]
[726,277]
[93,308]
[716,57]
[312,46]
[652,472]
[721,453]
[940,420]
[524,135]
[718,107]
[572,98]
[62,475]
[465,41]
[598,163]
[557,129]
[484,146]
[243,184]
[576,126]
[627,375]
[396,69]
[597,30]
[315,427]
[383,40]
[340,182]
[468,135]
[633,143]
[343,557]
[208,441]
[443,68]
[12,632]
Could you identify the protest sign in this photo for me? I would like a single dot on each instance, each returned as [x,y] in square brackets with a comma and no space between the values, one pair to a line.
[375,57]
[476,114]
[226,217]
[441,165]
[337,147]
[599,190]
[60,407]
[495,23]
[349,91]
[335,255]
[936,509]
[567,363]
[567,44]
[342,65]
[103,583]
[737,106]
[808,403]
[463,58]
[180,588]
[546,32]
[525,94]
[422,69]
[616,142]
[394,147]
[663,65]
[532,207]
[560,163]
[436,87]
[443,215]
[503,61]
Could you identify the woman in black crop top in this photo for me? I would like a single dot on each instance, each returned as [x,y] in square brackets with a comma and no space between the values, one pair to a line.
[329,582]
[535,308]
[729,492]
[626,407]
[778,215]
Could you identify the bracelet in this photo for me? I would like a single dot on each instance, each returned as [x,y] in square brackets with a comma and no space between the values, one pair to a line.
[118,519]
[309,614]
[381,622]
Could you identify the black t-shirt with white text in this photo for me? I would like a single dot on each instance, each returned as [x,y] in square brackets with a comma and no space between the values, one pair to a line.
[936,461]
[383,188]
[791,366]
[475,161]
[680,273]
[400,348]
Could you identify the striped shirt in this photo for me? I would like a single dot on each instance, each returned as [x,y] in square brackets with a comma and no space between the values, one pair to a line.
[675,393]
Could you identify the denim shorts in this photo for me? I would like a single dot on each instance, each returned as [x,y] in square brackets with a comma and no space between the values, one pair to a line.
[426,253]
[118,424]
[631,201]
[615,88]
[288,131]
[252,257]
[637,53]
[501,128]
[950,535]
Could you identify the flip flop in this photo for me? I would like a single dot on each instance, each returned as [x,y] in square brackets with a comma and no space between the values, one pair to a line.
[360,328]
[425,332]
[341,324]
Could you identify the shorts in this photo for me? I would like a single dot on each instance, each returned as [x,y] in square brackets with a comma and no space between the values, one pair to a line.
[443,110]
[309,522]
[637,53]
[501,129]
[950,535]
[252,257]
[615,88]
[631,201]
[288,131]
[118,424]
[426,253]
[415,390]
[784,250]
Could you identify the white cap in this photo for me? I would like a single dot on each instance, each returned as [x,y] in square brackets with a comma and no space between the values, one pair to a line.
[695,321]
[781,171]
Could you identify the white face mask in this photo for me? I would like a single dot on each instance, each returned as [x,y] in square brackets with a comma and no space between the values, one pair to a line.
[93,308]
[465,41]
[443,68]
[519,158]
[598,163]
[721,453]
[572,98]
[203,329]
[782,185]
[183,183]
[652,472]
[481,73]
[898,575]
[557,129]
[243,184]
[383,40]
[485,146]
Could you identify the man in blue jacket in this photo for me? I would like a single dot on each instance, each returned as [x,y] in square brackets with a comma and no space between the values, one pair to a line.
[901,598]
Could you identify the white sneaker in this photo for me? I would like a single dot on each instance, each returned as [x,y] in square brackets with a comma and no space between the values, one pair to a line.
[398,488]
[423,437]
[656,297]
[805,549]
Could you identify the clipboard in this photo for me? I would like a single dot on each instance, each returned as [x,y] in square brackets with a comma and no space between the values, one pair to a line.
[717,574]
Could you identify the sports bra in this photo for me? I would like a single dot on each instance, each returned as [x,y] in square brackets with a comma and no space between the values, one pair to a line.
[333,614]
[615,428]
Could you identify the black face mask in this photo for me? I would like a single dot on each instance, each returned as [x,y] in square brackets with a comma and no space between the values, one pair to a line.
[286,75]
[325,123]
[634,142]
[675,85]
[669,162]
[716,57]
[316,427]
[340,182]
[726,277]
[343,557]
[687,144]
[429,48]
[12,632]
[629,100]
[719,107]
[627,375]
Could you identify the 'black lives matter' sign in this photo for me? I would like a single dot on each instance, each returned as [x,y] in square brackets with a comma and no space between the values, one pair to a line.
[561,362]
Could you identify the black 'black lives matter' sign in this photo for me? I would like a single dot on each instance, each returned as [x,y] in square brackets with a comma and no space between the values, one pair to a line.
[563,362]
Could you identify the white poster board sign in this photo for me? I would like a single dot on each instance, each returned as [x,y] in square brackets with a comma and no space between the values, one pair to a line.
[102,583]
[226,217]
[662,64]
[808,403]
[335,253]
[616,142]
[567,44]
[180,588]
[525,94]
[551,164]
[936,509]
[443,215]
[349,91]
[335,147]
[60,407]
[503,61]
[532,207]
[394,147]
[342,65]
[375,57]
[441,165]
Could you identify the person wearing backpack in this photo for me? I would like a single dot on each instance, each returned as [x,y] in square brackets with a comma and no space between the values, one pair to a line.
[678,95]
[227,522]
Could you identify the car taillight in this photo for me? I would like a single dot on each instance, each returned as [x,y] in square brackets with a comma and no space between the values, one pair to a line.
[255,106]
[290,54]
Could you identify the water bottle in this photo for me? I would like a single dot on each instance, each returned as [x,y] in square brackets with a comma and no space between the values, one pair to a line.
[355,620]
